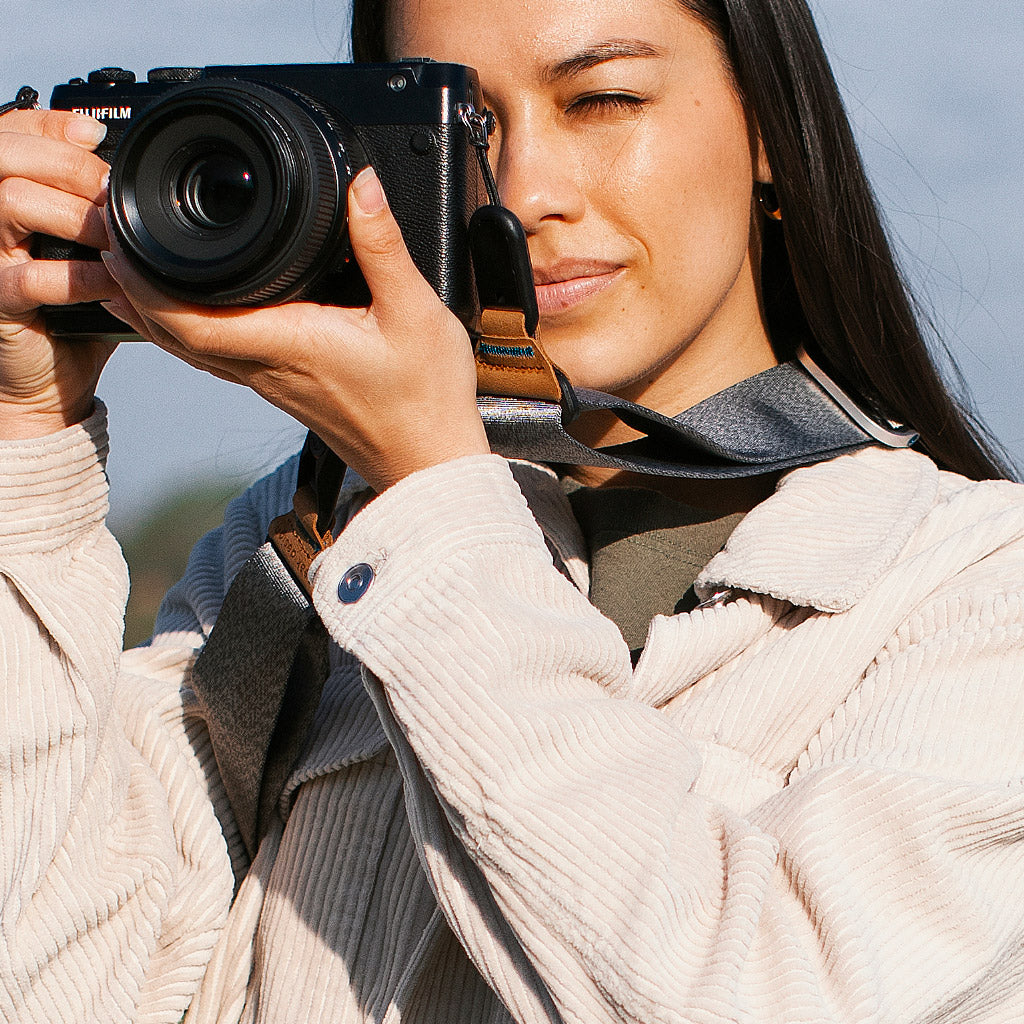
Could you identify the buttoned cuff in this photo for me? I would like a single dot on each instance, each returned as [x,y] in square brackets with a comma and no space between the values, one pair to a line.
[400,541]
[53,487]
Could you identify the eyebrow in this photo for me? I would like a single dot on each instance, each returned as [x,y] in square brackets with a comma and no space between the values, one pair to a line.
[599,53]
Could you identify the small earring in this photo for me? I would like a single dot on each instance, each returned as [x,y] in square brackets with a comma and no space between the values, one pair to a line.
[769,200]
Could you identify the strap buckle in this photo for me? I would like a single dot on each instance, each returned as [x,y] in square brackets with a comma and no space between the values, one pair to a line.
[889,434]
[300,535]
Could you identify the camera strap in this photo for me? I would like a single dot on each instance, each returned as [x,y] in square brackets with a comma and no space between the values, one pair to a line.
[510,361]
[789,415]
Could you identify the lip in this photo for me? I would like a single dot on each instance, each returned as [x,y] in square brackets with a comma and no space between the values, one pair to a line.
[567,283]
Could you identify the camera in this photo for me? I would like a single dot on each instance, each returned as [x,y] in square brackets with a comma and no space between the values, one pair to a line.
[228,184]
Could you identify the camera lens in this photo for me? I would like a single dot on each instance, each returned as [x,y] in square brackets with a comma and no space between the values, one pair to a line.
[230,192]
[218,190]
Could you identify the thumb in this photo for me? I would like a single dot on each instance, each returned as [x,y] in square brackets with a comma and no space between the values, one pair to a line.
[395,283]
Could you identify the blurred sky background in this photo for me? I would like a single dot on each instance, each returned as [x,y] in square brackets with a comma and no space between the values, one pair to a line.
[934,89]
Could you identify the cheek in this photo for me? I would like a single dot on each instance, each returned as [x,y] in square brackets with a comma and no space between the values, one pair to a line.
[684,196]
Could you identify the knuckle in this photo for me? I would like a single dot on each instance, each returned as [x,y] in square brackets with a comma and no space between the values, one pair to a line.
[76,165]
[200,339]
[15,149]
[8,141]
[385,239]
[7,290]
[11,193]
[53,122]
[16,289]
[33,277]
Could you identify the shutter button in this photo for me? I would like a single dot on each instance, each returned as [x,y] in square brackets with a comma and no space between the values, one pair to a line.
[355,583]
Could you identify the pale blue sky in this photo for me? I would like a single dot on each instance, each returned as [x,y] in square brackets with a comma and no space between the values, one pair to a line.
[934,88]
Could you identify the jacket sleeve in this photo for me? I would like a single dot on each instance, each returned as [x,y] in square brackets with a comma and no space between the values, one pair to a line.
[115,878]
[564,825]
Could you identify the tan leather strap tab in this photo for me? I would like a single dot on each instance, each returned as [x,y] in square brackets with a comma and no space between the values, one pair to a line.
[511,363]
[295,538]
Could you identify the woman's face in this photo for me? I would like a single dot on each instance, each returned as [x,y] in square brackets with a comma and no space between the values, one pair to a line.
[624,149]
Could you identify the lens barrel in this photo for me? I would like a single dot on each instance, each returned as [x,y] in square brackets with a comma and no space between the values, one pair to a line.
[234,192]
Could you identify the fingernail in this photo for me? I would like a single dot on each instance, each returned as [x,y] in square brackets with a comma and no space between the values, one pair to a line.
[104,188]
[367,191]
[85,131]
[116,308]
[112,263]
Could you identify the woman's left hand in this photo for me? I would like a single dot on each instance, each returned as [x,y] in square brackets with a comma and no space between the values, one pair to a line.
[391,387]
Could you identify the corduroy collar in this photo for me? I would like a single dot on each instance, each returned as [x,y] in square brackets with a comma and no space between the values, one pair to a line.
[830,531]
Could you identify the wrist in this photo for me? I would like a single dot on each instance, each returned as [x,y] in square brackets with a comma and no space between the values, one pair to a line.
[54,486]
[383,469]
[23,421]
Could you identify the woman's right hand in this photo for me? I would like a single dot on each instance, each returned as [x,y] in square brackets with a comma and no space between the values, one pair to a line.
[50,183]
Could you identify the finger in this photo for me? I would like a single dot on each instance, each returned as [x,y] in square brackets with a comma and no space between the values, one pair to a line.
[56,163]
[400,292]
[161,314]
[270,335]
[25,286]
[230,370]
[152,332]
[27,207]
[60,125]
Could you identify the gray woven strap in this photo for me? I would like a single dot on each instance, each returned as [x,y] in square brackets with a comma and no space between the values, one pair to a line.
[776,420]
[258,680]
[261,673]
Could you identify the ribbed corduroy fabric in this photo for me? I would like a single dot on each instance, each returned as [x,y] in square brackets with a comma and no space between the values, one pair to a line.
[805,803]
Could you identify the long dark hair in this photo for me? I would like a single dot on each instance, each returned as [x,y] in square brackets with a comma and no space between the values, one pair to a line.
[829,278]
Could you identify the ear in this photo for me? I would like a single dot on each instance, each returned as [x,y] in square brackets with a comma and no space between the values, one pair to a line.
[762,169]
[759,164]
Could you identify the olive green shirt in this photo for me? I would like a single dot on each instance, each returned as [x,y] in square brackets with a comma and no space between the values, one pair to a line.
[646,550]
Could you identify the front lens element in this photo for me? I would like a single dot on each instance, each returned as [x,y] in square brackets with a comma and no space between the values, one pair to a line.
[217,191]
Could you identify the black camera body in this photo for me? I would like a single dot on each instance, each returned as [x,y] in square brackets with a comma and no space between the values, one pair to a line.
[229,184]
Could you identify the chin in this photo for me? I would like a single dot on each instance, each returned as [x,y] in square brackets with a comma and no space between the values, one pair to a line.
[601,371]
[590,362]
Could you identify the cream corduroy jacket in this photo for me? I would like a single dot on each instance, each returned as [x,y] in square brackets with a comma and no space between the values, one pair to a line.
[805,804]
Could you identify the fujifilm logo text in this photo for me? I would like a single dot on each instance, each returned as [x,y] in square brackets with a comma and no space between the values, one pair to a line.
[105,113]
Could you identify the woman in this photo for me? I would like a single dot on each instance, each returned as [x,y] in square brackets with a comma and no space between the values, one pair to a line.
[805,801]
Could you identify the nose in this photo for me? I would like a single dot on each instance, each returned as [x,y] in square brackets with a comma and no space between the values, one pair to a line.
[537,180]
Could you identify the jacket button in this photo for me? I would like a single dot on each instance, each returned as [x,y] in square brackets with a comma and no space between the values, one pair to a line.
[355,583]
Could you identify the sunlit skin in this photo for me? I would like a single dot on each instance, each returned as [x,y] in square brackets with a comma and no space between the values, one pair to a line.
[51,182]
[625,150]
